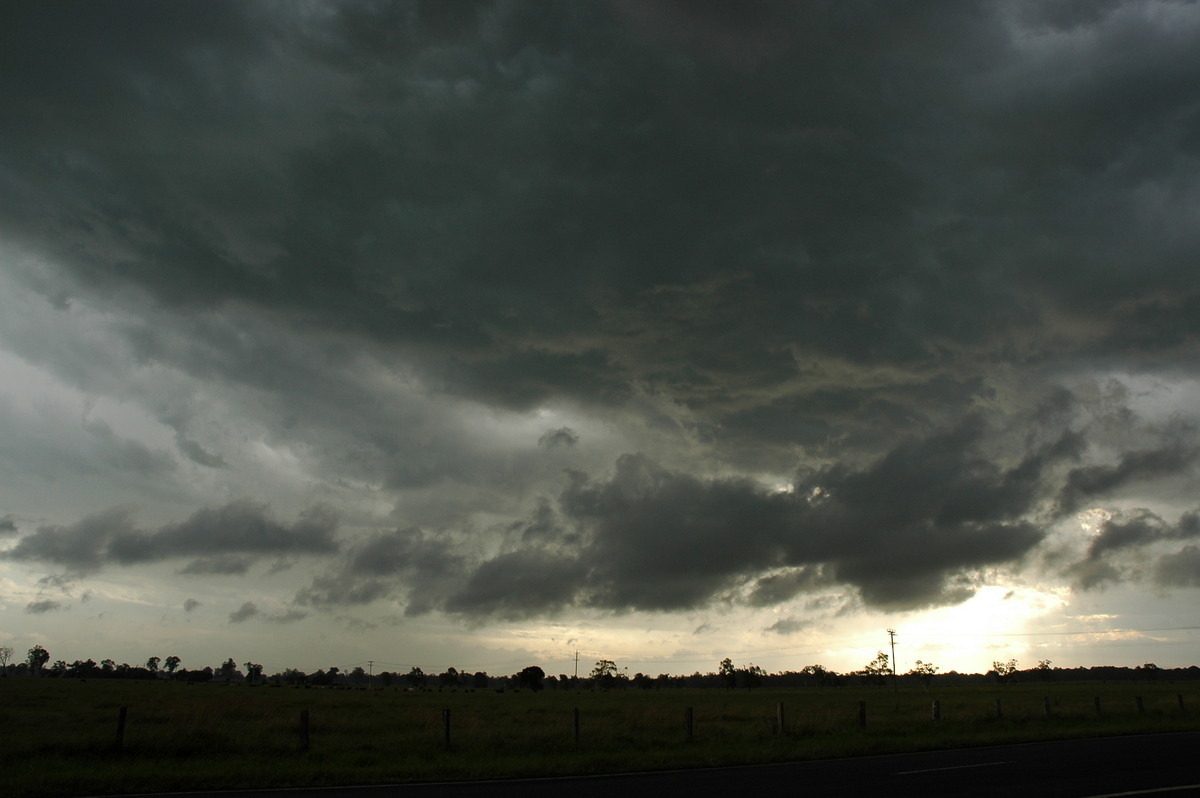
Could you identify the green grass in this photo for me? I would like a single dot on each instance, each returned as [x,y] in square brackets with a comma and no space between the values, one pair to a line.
[59,736]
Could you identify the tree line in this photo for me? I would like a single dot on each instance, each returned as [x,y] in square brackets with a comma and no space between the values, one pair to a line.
[605,675]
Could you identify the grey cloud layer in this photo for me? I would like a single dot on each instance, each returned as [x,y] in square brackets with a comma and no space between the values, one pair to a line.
[1132,542]
[505,201]
[242,527]
[863,249]
[910,530]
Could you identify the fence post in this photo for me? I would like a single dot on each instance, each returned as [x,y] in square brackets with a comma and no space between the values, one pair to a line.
[937,710]
[999,709]
[1140,706]
[121,726]
[779,718]
[862,714]
[575,718]
[1179,697]
[304,730]
[1096,700]
[687,723]
[446,726]
[1046,706]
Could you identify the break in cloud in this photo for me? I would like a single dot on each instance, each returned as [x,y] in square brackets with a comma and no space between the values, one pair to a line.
[528,310]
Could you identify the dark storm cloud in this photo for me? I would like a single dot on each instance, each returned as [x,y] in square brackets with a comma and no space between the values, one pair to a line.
[906,531]
[243,613]
[1117,552]
[243,527]
[519,584]
[787,626]
[867,238]
[123,454]
[190,605]
[665,540]
[1087,482]
[1181,569]
[422,215]
[669,195]
[215,535]
[407,562]
[196,453]
[479,193]
[1141,529]
[40,607]
[8,525]
[80,547]
[229,565]
[779,588]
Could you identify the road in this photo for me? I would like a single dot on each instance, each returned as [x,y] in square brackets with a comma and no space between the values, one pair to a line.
[1156,764]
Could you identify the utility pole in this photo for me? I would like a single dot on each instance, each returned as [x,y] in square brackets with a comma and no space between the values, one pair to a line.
[370,672]
[577,664]
[892,635]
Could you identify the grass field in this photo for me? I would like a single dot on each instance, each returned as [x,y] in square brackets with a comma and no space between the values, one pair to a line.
[59,737]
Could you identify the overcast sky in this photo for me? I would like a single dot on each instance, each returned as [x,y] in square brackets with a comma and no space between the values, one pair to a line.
[476,334]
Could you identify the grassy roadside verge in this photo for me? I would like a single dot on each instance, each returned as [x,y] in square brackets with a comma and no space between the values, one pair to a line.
[59,736]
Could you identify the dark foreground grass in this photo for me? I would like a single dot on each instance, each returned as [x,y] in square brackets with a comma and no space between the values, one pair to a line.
[59,737]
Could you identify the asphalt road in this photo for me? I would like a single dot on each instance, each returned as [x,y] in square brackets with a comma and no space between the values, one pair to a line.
[1156,764]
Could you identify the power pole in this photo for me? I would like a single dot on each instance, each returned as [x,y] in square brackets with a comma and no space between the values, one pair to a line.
[892,635]
[576,663]
[370,672]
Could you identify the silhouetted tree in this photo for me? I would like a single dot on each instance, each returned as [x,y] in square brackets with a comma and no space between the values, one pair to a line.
[822,675]
[531,677]
[253,671]
[877,670]
[1004,670]
[293,676]
[82,670]
[751,676]
[36,658]
[924,672]
[416,677]
[152,664]
[6,653]
[448,678]
[728,673]
[604,675]
[171,663]
[228,668]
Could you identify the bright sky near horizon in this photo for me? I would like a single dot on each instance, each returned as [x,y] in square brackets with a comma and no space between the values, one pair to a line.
[479,334]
